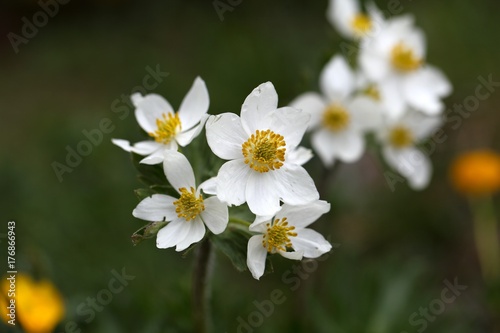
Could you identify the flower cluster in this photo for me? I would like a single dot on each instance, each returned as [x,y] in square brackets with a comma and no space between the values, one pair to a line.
[263,169]
[393,93]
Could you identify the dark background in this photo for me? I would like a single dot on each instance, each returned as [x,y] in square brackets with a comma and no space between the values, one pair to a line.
[396,247]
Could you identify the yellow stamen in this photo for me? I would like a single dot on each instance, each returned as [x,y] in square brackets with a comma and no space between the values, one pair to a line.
[264,151]
[168,127]
[361,24]
[277,236]
[373,92]
[336,118]
[400,137]
[404,59]
[189,206]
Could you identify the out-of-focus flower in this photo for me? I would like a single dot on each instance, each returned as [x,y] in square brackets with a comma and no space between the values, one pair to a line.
[264,163]
[286,234]
[347,17]
[399,137]
[188,214]
[168,128]
[339,119]
[476,173]
[39,305]
[394,58]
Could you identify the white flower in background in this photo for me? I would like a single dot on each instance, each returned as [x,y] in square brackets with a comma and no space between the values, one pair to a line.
[346,16]
[287,235]
[188,214]
[339,119]
[399,139]
[394,58]
[168,128]
[264,164]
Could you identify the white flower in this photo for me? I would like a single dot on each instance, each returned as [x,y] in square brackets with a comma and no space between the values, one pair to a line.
[187,214]
[168,128]
[339,119]
[264,165]
[286,232]
[394,58]
[399,137]
[347,17]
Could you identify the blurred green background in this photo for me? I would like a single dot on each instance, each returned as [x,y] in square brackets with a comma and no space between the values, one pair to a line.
[396,248]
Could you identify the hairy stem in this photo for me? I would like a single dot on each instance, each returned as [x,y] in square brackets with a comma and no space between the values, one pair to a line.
[201,286]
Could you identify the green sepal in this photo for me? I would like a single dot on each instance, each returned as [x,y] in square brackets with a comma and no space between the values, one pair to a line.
[148,231]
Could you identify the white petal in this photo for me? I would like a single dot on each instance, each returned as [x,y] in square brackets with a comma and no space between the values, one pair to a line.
[123,144]
[141,148]
[178,171]
[262,101]
[195,234]
[150,108]
[209,186]
[225,135]
[421,125]
[366,113]
[136,98]
[291,123]
[340,13]
[194,105]
[295,255]
[424,89]
[256,256]
[411,163]
[215,215]
[337,79]
[185,138]
[155,158]
[301,216]
[299,156]
[294,185]
[311,243]
[348,146]
[375,67]
[321,143]
[259,224]
[261,195]
[392,97]
[158,207]
[170,235]
[232,181]
[311,103]
[147,147]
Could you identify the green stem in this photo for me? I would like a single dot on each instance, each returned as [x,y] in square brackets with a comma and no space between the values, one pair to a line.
[201,286]
[486,238]
[237,221]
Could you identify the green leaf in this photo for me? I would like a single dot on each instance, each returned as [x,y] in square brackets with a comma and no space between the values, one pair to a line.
[233,243]
[149,174]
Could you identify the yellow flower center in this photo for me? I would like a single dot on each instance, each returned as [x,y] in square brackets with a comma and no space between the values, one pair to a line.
[264,151]
[373,92]
[404,59]
[335,118]
[167,128]
[277,236]
[400,137]
[189,206]
[361,24]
